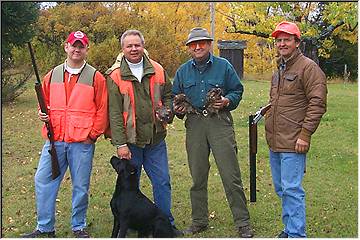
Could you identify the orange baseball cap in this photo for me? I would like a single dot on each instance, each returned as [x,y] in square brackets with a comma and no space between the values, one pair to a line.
[77,36]
[286,27]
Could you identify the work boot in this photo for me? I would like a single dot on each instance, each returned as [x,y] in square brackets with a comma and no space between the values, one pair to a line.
[177,232]
[282,235]
[81,234]
[37,234]
[245,232]
[195,229]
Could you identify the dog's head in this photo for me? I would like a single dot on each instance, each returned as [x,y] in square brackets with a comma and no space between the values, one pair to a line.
[121,165]
[127,172]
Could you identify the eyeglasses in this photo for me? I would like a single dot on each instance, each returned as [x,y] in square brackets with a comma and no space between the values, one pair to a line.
[285,40]
[201,44]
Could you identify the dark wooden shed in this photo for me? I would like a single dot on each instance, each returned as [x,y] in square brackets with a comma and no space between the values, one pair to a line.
[233,51]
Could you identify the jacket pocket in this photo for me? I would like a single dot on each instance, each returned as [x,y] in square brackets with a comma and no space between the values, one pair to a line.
[189,89]
[215,83]
[290,83]
[225,118]
[189,84]
[79,128]
[56,127]
[287,132]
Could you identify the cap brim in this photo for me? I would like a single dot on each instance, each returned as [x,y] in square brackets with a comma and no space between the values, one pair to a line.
[198,39]
[275,33]
[78,39]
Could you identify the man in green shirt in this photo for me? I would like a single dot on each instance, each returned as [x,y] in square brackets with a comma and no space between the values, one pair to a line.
[206,132]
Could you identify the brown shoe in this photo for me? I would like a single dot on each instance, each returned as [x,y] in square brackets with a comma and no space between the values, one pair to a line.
[81,234]
[282,235]
[246,232]
[38,234]
[195,229]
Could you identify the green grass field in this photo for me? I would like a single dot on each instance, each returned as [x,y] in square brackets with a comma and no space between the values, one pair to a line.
[331,180]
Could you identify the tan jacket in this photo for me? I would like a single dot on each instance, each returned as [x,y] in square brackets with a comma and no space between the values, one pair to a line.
[298,99]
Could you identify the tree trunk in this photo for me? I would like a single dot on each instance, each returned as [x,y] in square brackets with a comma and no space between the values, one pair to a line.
[308,47]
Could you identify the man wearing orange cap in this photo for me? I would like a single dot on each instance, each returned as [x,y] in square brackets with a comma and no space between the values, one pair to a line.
[298,101]
[76,97]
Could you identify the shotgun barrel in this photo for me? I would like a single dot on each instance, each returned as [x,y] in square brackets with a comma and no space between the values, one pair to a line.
[55,169]
[252,156]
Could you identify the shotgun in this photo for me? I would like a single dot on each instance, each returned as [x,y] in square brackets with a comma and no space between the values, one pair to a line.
[55,169]
[253,120]
[260,114]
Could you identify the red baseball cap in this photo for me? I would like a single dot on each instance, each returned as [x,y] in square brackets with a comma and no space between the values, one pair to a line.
[77,36]
[286,27]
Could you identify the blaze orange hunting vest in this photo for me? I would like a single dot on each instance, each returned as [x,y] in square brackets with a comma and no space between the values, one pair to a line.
[126,89]
[72,121]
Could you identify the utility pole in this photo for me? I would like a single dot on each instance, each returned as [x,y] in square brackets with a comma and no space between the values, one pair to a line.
[212,23]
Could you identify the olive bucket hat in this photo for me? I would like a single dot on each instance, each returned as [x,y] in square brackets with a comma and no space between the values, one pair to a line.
[197,34]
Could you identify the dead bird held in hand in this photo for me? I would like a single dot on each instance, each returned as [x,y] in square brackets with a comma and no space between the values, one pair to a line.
[164,114]
[212,96]
[182,101]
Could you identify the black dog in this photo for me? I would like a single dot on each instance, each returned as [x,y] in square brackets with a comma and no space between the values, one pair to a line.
[132,209]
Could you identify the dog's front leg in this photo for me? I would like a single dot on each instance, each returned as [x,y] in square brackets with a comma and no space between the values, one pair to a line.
[123,229]
[116,228]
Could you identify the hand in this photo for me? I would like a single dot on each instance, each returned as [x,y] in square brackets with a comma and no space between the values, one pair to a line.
[43,116]
[301,146]
[179,109]
[124,152]
[221,103]
[88,141]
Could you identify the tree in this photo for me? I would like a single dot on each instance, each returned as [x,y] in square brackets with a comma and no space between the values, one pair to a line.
[17,25]
[342,60]
[165,27]
[319,22]
[17,21]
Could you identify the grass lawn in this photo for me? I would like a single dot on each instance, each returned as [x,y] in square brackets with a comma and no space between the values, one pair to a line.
[331,180]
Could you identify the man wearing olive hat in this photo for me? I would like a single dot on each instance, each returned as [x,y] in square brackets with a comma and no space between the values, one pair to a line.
[207,132]
[298,101]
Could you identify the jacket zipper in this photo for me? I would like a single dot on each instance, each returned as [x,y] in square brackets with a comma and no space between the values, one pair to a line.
[280,71]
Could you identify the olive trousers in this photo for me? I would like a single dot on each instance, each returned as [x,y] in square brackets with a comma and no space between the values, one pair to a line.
[216,134]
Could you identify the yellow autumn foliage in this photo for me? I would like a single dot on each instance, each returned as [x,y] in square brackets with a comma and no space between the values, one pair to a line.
[166,25]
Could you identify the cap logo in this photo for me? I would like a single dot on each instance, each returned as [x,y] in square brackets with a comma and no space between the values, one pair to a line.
[78,34]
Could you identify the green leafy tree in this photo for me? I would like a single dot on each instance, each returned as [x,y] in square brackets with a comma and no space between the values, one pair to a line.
[342,60]
[17,26]
[17,21]
[319,22]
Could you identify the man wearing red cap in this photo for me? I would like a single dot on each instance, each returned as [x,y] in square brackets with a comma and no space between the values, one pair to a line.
[298,101]
[76,97]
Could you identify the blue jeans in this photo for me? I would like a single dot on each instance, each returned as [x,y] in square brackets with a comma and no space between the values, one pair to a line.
[79,157]
[155,162]
[287,171]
